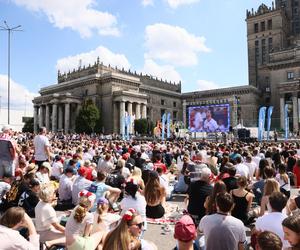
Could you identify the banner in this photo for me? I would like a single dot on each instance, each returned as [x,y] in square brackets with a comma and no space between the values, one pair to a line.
[269,115]
[261,123]
[123,127]
[286,122]
[128,126]
[168,125]
[163,121]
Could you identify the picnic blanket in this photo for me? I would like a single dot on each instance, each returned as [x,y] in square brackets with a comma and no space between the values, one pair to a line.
[172,215]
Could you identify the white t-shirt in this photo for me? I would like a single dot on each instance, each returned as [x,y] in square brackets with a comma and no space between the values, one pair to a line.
[108,222]
[252,167]
[79,184]
[45,215]
[74,229]
[65,188]
[272,222]
[242,169]
[40,142]
[57,168]
[139,204]
[210,125]
[4,188]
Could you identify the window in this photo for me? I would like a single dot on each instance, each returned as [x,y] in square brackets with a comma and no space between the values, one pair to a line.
[174,104]
[262,26]
[174,115]
[270,24]
[256,51]
[263,51]
[162,102]
[256,27]
[290,75]
[270,44]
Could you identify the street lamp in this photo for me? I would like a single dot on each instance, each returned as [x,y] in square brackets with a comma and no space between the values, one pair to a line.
[9,30]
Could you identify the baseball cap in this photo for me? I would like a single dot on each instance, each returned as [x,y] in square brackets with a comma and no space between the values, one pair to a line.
[185,229]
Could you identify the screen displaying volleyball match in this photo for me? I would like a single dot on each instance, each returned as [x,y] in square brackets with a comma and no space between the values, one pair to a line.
[211,118]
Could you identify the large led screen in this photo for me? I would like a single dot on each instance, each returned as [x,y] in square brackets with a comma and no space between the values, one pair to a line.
[212,118]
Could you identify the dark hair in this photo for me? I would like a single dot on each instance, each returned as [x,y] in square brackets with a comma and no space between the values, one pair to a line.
[101,175]
[131,189]
[231,171]
[34,182]
[224,202]
[277,201]
[12,217]
[268,172]
[242,181]
[219,187]
[292,223]
[267,240]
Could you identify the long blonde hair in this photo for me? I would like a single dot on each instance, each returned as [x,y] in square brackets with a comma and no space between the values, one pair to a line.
[82,208]
[271,185]
[120,238]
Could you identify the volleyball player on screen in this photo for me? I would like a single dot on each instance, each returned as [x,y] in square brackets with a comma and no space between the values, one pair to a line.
[210,125]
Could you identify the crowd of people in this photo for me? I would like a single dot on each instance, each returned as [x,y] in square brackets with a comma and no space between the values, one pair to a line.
[85,192]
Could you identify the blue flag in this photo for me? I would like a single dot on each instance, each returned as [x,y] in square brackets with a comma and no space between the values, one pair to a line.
[261,123]
[163,121]
[270,111]
[168,124]
[123,127]
[286,122]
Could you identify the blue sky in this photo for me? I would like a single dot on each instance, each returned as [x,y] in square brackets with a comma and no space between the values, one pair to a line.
[200,42]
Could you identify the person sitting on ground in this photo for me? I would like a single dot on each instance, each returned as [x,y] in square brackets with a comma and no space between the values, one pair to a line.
[163,180]
[197,193]
[291,229]
[283,180]
[267,240]
[137,176]
[126,234]
[100,189]
[133,199]
[80,224]
[210,201]
[29,198]
[57,168]
[66,185]
[104,221]
[231,180]
[44,172]
[272,221]
[242,200]
[270,186]
[221,230]
[11,221]
[47,223]
[155,196]
[80,183]
[185,233]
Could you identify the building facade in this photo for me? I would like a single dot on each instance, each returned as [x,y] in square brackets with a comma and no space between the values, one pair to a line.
[273,37]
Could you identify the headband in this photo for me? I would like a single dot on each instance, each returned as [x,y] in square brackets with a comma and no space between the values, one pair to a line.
[129,214]
[84,193]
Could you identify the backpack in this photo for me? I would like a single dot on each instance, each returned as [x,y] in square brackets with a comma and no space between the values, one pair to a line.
[112,180]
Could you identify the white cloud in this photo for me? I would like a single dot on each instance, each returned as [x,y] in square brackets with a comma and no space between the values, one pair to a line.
[79,15]
[173,45]
[147,3]
[176,3]
[207,85]
[165,72]
[105,55]
[20,97]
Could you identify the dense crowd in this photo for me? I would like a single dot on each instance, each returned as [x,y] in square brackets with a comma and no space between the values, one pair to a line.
[86,192]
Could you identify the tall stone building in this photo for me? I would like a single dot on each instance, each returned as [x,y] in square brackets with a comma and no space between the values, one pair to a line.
[274,57]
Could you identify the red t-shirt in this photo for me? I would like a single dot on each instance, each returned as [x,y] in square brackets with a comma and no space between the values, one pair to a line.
[161,165]
[296,171]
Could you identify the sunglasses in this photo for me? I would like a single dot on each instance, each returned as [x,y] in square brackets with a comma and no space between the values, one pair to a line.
[139,225]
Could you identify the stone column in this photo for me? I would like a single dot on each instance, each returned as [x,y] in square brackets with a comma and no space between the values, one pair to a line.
[47,117]
[54,117]
[41,116]
[60,117]
[295,112]
[67,117]
[129,111]
[184,113]
[144,111]
[122,114]
[35,118]
[282,102]
[115,117]
[138,111]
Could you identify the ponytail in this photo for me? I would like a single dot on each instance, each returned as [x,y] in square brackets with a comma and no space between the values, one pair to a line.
[80,213]
[100,210]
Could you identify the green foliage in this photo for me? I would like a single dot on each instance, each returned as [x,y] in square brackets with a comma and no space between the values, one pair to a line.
[28,125]
[140,126]
[88,117]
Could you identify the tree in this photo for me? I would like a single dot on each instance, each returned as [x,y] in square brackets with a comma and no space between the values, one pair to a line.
[28,125]
[140,126]
[87,118]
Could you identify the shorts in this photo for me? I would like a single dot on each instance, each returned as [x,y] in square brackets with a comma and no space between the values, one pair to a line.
[6,167]
[82,243]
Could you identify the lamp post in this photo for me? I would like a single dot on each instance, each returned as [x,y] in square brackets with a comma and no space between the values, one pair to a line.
[9,30]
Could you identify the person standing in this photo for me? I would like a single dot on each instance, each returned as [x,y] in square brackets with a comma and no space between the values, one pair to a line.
[7,152]
[41,147]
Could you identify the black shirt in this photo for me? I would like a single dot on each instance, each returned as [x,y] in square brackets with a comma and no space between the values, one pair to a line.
[198,191]
[230,182]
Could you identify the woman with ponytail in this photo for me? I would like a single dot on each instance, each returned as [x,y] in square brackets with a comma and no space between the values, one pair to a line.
[80,224]
[126,235]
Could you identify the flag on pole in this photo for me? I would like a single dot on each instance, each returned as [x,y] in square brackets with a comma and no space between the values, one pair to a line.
[163,121]
[168,125]
[270,111]
[286,122]
[261,123]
